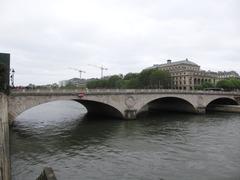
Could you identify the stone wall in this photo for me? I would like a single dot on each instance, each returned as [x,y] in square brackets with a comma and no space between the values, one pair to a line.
[4,139]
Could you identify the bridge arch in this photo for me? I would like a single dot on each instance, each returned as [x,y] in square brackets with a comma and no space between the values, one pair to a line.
[168,103]
[100,108]
[20,104]
[221,101]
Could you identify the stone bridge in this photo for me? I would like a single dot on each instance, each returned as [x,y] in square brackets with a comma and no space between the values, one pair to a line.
[126,104]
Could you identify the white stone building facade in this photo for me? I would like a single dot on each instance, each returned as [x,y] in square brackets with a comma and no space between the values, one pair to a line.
[187,75]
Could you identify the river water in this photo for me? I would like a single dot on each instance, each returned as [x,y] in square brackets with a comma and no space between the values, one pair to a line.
[165,146]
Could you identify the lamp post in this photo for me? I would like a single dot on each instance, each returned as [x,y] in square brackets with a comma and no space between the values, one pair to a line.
[12,77]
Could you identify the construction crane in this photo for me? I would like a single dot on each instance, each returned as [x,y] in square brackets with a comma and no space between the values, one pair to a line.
[80,71]
[100,67]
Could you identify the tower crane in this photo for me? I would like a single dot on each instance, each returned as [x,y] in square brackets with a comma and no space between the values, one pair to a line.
[79,70]
[100,67]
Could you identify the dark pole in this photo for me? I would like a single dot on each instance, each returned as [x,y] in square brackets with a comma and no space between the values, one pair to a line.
[12,77]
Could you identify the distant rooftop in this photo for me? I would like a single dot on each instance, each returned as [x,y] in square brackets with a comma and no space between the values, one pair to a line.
[186,61]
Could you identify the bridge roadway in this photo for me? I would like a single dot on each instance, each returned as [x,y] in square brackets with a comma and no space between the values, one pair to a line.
[123,103]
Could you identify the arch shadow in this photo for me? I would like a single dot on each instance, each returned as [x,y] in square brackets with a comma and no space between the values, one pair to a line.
[167,104]
[93,108]
[220,102]
[96,109]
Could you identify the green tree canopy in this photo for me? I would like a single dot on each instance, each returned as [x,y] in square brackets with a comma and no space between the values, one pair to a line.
[151,78]
[229,84]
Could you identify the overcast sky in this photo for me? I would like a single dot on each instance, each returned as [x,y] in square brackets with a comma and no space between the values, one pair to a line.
[47,37]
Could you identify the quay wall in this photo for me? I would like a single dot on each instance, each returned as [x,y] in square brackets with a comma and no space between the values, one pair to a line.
[4,139]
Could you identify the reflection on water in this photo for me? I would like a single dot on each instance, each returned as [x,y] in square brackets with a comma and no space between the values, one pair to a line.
[164,146]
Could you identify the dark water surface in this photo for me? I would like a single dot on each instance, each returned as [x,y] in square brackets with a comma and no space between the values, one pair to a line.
[164,146]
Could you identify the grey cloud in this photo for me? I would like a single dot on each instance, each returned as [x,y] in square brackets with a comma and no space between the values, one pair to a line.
[46,37]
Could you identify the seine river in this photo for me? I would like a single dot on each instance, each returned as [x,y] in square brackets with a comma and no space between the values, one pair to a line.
[165,146]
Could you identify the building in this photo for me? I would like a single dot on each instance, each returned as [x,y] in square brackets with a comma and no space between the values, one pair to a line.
[73,82]
[226,75]
[4,72]
[186,74]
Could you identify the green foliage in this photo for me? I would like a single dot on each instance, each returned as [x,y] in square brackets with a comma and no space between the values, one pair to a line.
[160,79]
[131,83]
[144,79]
[114,82]
[130,76]
[98,83]
[205,85]
[229,84]
[152,78]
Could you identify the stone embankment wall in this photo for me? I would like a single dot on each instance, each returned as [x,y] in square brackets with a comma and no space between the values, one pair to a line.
[4,139]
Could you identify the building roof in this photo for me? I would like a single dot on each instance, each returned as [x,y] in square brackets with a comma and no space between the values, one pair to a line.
[186,61]
[228,73]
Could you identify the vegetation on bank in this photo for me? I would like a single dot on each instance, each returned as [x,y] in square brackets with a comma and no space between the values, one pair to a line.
[150,78]
[230,84]
[147,79]
[155,79]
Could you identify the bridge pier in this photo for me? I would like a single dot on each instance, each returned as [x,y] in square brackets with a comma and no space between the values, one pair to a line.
[130,114]
[201,110]
[237,98]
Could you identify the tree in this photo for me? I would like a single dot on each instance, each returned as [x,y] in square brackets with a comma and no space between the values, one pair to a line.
[114,81]
[225,84]
[130,76]
[131,83]
[205,85]
[154,78]
[151,78]
[160,79]
[236,83]
[144,78]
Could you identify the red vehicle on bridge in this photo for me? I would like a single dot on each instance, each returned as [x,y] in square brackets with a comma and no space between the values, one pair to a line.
[81,94]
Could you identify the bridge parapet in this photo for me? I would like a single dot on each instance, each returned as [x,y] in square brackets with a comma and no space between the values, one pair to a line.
[120,91]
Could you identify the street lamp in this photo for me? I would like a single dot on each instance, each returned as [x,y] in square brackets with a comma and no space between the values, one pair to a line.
[12,77]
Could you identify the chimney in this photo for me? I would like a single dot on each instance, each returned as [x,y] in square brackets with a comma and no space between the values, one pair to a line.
[169,61]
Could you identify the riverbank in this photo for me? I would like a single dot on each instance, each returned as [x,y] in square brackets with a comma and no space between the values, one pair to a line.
[4,139]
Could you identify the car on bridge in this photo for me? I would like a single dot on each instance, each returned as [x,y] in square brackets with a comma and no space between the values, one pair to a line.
[81,94]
